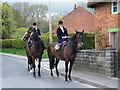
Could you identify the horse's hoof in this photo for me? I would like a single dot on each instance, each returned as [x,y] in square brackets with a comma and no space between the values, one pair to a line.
[39,75]
[66,80]
[70,79]
[34,76]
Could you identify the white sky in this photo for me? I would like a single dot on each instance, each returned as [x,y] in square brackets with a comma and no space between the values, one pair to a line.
[44,0]
[57,6]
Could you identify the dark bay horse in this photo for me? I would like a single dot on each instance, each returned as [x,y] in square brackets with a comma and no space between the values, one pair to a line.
[68,54]
[34,50]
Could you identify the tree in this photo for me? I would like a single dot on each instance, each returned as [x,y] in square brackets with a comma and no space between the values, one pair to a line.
[8,23]
[44,26]
[37,12]
[18,18]
[23,9]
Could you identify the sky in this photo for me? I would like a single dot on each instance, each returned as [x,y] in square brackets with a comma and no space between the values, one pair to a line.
[57,6]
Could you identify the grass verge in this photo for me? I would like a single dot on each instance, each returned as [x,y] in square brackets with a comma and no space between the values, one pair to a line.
[19,51]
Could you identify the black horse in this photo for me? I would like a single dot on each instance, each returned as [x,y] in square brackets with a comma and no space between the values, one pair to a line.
[67,54]
[33,49]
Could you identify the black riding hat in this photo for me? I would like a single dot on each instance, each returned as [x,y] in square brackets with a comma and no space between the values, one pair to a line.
[34,24]
[60,22]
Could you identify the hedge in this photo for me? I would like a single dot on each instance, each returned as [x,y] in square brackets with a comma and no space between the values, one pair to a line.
[88,40]
[18,43]
[6,43]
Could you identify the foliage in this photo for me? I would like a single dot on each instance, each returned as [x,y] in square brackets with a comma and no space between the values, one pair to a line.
[17,43]
[44,26]
[14,51]
[101,38]
[20,32]
[29,13]
[88,40]
[6,43]
[20,22]
[8,23]
[37,12]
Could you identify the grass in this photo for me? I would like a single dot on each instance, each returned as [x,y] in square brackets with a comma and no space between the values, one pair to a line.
[19,51]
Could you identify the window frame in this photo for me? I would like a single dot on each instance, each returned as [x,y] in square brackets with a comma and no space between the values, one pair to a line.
[118,7]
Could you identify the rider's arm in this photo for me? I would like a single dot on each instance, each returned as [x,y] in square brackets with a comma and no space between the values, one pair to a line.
[66,32]
[59,34]
[39,32]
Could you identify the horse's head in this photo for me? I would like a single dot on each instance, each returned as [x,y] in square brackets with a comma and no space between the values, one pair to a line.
[33,35]
[25,36]
[30,34]
[78,39]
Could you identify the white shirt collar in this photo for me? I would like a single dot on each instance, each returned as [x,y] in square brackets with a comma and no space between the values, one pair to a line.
[62,29]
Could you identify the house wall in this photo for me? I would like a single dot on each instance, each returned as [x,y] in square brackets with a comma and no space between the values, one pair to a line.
[106,20]
[79,19]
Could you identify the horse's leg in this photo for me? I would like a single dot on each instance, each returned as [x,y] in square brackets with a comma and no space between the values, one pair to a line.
[39,66]
[33,66]
[51,62]
[66,69]
[56,64]
[70,69]
[29,62]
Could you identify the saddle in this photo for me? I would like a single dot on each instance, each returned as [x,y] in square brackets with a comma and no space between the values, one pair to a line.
[60,46]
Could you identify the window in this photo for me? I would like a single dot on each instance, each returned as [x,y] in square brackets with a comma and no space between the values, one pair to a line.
[115,7]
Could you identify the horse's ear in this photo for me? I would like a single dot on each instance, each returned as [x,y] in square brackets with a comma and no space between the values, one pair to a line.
[76,31]
[83,31]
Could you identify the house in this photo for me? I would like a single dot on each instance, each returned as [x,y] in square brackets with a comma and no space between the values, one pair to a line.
[107,17]
[78,19]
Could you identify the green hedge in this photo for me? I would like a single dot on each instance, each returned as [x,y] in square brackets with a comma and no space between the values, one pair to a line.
[17,43]
[12,43]
[20,32]
[6,43]
[88,40]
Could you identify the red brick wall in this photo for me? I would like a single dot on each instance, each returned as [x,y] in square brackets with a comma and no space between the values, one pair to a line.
[104,19]
[78,19]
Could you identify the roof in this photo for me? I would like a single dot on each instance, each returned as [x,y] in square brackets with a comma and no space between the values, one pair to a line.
[91,3]
[77,19]
[76,9]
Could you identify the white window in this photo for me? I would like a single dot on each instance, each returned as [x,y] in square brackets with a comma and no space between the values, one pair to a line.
[115,7]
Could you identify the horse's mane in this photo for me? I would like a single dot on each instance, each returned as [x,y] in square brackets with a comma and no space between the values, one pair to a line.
[73,38]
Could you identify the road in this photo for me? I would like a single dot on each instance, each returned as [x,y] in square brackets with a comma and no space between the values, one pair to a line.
[16,75]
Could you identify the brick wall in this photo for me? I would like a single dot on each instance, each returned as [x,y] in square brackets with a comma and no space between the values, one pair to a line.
[104,19]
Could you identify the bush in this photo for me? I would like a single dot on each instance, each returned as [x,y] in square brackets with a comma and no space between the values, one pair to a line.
[17,43]
[88,40]
[20,32]
[6,43]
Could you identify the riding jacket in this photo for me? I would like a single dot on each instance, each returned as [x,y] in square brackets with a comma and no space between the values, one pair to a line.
[61,33]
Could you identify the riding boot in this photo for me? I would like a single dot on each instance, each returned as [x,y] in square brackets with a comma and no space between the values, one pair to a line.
[43,46]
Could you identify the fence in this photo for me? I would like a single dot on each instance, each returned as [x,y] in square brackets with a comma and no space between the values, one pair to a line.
[97,61]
